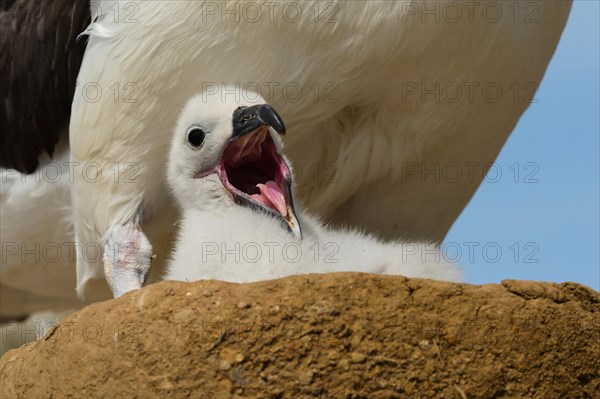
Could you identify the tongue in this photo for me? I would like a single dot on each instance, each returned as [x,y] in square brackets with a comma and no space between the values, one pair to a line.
[272,196]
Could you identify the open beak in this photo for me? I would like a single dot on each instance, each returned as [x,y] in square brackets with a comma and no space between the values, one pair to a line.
[252,169]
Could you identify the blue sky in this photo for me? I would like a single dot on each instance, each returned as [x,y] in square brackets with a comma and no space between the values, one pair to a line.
[543,223]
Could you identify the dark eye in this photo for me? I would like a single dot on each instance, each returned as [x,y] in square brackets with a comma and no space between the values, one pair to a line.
[195,136]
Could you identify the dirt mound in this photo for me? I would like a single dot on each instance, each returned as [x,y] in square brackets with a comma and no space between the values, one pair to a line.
[339,335]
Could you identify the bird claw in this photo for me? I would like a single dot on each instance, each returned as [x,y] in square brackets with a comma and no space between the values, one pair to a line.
[127,258]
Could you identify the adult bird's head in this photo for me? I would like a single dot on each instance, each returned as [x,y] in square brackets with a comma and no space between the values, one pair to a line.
[227,152]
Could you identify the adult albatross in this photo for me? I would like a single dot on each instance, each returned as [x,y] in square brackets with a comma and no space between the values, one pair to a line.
[386,95]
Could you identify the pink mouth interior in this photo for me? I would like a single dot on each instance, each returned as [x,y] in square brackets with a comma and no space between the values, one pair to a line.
[251,166]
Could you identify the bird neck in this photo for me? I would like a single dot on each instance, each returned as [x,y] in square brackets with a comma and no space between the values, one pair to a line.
[233,223]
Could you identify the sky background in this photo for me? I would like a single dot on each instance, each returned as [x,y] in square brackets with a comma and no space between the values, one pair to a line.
[549,212]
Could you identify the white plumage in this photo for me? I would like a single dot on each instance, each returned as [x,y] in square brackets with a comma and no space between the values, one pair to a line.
[362,121]
[223,240]
[38,241]
[355,116]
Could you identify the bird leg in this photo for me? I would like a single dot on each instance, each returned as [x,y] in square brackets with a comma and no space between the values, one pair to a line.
[127,257]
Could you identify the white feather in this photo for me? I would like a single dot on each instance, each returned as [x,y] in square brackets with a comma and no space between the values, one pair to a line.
[219,239]
[240,245]
[359,123]
[38,241]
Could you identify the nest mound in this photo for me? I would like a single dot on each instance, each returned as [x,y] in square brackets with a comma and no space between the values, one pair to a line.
[343,335]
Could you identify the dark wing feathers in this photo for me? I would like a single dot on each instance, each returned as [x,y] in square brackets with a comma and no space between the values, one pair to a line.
[39,62]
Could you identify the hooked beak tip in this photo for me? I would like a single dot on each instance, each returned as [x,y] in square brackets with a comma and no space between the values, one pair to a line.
[248,119]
